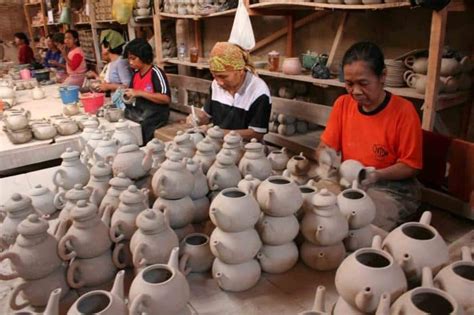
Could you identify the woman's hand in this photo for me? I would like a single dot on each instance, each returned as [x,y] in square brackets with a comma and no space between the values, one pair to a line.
[53,63]
[132,93]
[103,87]
[91,75]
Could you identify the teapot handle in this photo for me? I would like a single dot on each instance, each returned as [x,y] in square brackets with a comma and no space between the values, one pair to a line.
[116,256]
[113,232]
[138,304]
[138,258]
[61,173]
[409,61]
[13,304]
[71,271]
[58,200]
[14,274]
[63,248]
[411,80]
[406,74]
[182,265]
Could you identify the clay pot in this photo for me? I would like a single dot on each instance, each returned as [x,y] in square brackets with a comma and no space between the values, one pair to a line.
[113,114]
[298,165]
[71,171]
[291,66]
[94,271]
[278,258]
[451,84]
[90,126]
[319,303]
[200,188]
[254,161]
[17,208]
[426,299]
[322,258]
[44,131]
[356,206]
[278,196]
[196,135]
[223,173]
[17,120]
[123,135]
[102,302]
[236,277]
[105,150]
[184,142]
[457,279]
[66,127]
[235,248]
[173,152]
[359,238]
[33,256]
[286,130]
[42,199]
[160,289]
[350,171]
[201,212]
[419,81]
[205,154]
[233,142]
[418,65]
[308,191]
[117,185]
[368,273]
[249,185]
[287,92]
[68,200]
[132,161]
[216,135]
[173,180]
[101,174]
[179,211]
[324,225]
[52,308]
[234,210]
[199,256]
[158,150]
[278,159]
[449,67]
[277,230]
[19,136]
[88,236]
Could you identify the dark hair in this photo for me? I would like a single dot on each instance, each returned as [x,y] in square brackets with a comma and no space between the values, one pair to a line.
[58,38]
[368,52]
[139,47]
[116,51]
[23,37]
[75,35]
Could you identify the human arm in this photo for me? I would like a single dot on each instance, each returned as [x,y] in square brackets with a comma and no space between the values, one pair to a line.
[158,98]
[397,171]
[248,134]
[103,87]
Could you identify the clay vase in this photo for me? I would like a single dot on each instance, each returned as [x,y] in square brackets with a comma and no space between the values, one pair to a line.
[368,273]
[102,302]
[457,279]
[279,197]
[71,171]
[89,272]
[157,148]
[278,258]
[69,200]
[199,256]
[42,199]
[52,308]
[359,238]
[200,188]
[278,159]
[291,66]
[324,225]
[88,236]
[415,245]
[122,225]
[154,240]
[356,206]
[33,256]
[322,258]
[173,180]
[426,299]
[277,230]
[216,135]
[205,154]
[254,161]
[101,174]
[184,142]
[234,210]
[17,208]
[160,289]
[223,173]
[236,277]
[319,303]
[123,135]
[132,161]
[298,165]
[117,185]
[179,211]
[235,248]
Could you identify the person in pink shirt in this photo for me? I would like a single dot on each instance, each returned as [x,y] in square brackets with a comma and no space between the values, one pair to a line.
[75,59]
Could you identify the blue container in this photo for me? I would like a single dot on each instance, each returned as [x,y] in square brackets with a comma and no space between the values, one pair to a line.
[69,94]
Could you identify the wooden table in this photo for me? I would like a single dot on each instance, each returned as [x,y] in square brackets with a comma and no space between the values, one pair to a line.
[35,151]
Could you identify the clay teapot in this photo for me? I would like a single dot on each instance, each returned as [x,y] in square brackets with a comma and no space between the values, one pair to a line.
[216,135]
[205,154]
[17,120]
[113,114]
[88,236]
[322,258]
[234,210]
[95,271]
[7,94]
[52,308]
[418,65]
[319,303]
[117,185]
[180,211]
[94,140]
[68,200]
[415,245]
[37,93]
[44,131]
[236,277]
[172,151]
[158,150]
[278,196]
[249,184]
[160,289]
[102,302]
[16,209]
[368,273]
[154,240]
[101,174]
[457,279]
[66,127]
[105,148]
[254,161]
[291,66]
[277,230]
[278,258]
[308,192]
[71,171]
[325,224]
[42,199]
[418,82]
[359,238]
[173,180]
[351,170]
[200,188]
[195,247]
[223,173]
[19,136]
[279,159]
[235,247]
[90,126]
[426,299]
[298,165]
[132,161]
[356,206]
[449,67]
[123,135]
[233,143]
[34,255]
[184,142]
[195,134]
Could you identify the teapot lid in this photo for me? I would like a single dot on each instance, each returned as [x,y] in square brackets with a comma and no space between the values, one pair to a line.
[225,157]
[324,198]
[106,142]
[17,202]
[128,148]
[78,193]
[174,151]
[96,135]
[233,137]
[121,181]
[253,145]
[205,145]
[101,169]
[182,138]
[192,165]
[83,210]
[121,124]
[173,163]
[156,145]
[132,195]
[70,154]
[38,190]
[91,123]
[215,132]
[33,225]
[151,220]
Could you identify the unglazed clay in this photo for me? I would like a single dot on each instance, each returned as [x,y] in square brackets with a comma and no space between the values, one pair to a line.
[179,211]
[237,247]
[356,206]
[278,196]
[132,161]
[198,254]
[236,277]
[173,180]
[277,230]
[17,208]
[322,258]
[254,161]
[278,258]
[71,171]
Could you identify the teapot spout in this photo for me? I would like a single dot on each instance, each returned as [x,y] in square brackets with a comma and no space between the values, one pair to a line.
[221,278]
[408,265]
[319,234]
[466,253]
[384,305]
[106,215]
[52,308]
[319,299]
[117,288]
[220,216]
[147,160]
[173,261]
[427,278]
[364,299]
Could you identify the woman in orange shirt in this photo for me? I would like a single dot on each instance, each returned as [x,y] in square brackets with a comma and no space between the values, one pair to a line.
[378,129]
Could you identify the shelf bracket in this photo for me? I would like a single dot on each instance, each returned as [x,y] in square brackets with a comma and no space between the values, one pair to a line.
[337,38]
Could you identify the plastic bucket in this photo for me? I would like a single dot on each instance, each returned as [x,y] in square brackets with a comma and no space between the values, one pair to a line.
[92,102]
[69,94]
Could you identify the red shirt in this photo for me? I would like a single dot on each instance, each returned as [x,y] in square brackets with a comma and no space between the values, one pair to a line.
[25,54]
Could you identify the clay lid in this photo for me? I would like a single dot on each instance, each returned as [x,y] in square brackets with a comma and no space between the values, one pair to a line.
[90,123]
[70,154]
[192,165]
[173,163]
[128,148]
[17,202]
[132,195]
[205,145]
[215,132]
[101,169]
[106,142]
[175,152]
[254,145]
[121,181]
[225,157]
[231,146]
[150,221]
[97,135]
[324,198]
[156,145]
[33,225]
[233,137]
[38,190]
[182,138]
[83,211]
[78,193]
[121,124]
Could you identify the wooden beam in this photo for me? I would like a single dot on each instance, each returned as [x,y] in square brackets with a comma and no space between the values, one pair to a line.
[290,25]
[95,37]
[28,23]
[337,38]
[198,37]
[438,32]
[157,34]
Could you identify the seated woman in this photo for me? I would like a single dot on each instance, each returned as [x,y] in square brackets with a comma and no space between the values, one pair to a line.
[25,53]
[149,87]
[378,129]
[53,55]
[72,53]
[239,99]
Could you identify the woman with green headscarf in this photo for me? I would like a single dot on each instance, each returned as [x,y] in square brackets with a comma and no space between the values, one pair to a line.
[239,99]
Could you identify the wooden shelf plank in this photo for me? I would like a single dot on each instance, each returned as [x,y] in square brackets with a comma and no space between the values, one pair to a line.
[306,143]
[319,6]
[197,17]
[32,4]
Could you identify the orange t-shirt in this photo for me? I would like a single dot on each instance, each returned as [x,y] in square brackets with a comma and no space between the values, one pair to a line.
[390,134]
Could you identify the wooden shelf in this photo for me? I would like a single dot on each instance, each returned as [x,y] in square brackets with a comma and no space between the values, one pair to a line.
[32,4]
[306,143]
[197,17]
[37,25]
[329,6]
[106,21]
[82,23]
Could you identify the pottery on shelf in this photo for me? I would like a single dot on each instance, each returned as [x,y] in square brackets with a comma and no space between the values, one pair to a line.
[71,171]
[17,120]
[44,131]
[291,66]
[278,196]
[17,208]
[66,127]
[236,277]
[356,206]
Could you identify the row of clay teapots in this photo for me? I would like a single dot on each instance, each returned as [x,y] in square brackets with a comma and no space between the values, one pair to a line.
[223,173]
[173,180]
[254,161]
[449,66]
[160,289]
[132,161]
[278,196]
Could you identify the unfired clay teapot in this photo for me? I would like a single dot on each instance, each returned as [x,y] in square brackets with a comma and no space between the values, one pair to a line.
[322,258]
[71,171]
[418,65]
[17,120]
[216,135]
[158,150]
[123,134]
[195,247]
[52,308]
[279,159]
[42,199]
[66,127]
[236,277]
[359,238]
[254,161]
[173,180]
[278,258]
[298,165]
[319,303]
[117,185]
[180,211]
[249,184]
[132,161]
[195,134]
[105,147]
[200,188]
[235,247]
[277,230]
[308,191]
[95,271]
[205,154]
[184,142]
[44,131]
[16,209]
[101,174]
[278,196]
[68,200]
[223,173]
[356,206]
[37,93]
[233,143]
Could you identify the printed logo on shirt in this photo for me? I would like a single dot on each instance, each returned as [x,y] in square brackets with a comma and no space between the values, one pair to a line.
[149,88]
[380,151]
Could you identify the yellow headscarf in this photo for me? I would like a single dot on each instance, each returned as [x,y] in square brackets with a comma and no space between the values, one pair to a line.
[229,57]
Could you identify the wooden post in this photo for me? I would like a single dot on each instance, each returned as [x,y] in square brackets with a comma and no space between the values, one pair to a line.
[337,38]
[157,31]
[95,37]
[198,37]
[290,25]
[438,32]
[26,9]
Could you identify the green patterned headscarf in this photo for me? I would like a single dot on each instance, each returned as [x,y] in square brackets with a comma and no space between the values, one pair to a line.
[229,57]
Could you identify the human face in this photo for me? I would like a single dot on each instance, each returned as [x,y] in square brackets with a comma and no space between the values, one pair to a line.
[69,40]
[135,62]
[365,87]
[18,41]
[50,44]
[229,80]
[105,54]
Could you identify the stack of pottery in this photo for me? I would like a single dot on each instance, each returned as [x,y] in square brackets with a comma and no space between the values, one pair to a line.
[89,127]
[132,161]
[143,8]
[101,174]
[71,171]
[297,169]
[123,135]
[235,242]
[87,246]
[205,154]
[184,142]
[118,184]
[308,191]
[278,159]
[395,71]
[323,227]
[216,135]
[223,173]
[16,126]
[233,143]
[66,201]
[157,148]
[34,258]
[199,193]
[195,253]
[42,199]
[279,198]
[254,161]
[286,125]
